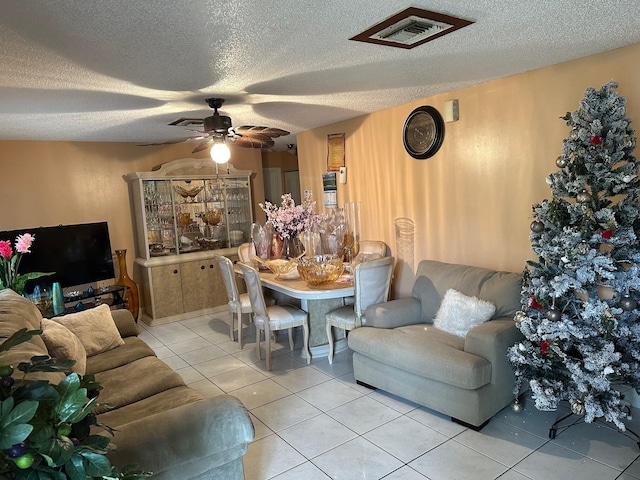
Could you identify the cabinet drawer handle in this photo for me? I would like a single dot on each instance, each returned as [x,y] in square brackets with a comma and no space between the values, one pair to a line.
[202,267]
[211,266]
[175,271]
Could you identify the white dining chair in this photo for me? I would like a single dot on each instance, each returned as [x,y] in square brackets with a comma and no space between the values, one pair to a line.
[275,317]
[237,303]
[371,285]
[246,252]
[370,250]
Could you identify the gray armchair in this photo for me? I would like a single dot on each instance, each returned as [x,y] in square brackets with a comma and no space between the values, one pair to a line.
[467,378]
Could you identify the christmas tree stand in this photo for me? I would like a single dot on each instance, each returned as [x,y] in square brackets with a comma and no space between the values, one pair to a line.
[560,426]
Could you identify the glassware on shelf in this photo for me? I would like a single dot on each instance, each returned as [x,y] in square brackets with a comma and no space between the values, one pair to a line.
[41,298]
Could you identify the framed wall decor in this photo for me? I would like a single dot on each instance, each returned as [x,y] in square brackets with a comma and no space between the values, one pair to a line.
[335,152]
[423,132]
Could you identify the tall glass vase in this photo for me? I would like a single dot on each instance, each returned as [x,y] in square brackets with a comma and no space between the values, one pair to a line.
[131,294]
[352,235]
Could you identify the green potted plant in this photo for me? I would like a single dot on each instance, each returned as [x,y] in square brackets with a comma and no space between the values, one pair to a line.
[45,429]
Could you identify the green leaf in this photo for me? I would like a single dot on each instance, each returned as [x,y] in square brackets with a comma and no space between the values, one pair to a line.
[5,407]
[96,464]
[96,443]
[70,404]
[40,390]
[21,413]
[21,336]
[84,411]
[75,468]
[44,363]
[14,434]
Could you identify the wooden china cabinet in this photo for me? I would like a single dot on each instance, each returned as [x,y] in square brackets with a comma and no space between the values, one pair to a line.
[185,212]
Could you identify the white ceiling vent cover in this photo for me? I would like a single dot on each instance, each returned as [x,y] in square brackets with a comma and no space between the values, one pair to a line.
[411,27]
[411,30]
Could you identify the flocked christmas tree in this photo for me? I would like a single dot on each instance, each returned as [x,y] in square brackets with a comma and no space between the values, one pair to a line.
[581,314]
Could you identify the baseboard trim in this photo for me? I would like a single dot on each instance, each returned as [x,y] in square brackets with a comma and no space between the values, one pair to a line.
[476,428]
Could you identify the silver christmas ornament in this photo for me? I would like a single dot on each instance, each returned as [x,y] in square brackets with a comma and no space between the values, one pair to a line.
[582,248]
[516,406]
[561,161]
[537,226]
[553,315]
[627,304]
[583,197]
[577,407]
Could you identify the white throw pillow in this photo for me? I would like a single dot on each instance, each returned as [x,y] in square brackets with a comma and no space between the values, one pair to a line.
[459,313]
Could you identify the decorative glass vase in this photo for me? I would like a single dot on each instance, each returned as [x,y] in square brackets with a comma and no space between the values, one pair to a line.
[131,293]
[288,247]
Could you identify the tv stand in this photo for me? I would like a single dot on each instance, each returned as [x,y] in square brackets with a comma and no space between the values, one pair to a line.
[112,295]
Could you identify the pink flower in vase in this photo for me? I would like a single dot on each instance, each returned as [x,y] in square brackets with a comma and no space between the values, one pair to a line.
[23,242]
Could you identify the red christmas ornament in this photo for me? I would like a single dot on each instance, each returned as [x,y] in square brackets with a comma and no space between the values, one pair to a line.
[595,139]
[606,233]
[535,304]
[544,346]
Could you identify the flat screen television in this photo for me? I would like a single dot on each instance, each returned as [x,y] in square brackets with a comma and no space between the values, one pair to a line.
[78,254]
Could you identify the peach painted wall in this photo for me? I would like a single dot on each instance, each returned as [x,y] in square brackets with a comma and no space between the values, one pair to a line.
[52,183]
[471,202]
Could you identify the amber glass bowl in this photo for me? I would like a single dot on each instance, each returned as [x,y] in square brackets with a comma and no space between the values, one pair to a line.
[320,269]
[282,268]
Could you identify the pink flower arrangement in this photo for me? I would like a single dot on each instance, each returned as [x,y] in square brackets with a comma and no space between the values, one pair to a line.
[290,219]
[9,263]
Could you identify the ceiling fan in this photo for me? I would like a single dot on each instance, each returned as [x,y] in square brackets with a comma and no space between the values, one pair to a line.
[219,127]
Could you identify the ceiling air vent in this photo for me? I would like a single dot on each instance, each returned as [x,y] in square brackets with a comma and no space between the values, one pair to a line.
[410,28]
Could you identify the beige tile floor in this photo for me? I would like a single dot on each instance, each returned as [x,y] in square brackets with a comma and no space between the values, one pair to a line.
[314,422]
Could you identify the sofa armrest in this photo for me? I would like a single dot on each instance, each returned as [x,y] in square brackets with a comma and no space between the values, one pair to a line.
[491,341]
[392,314]
[183,434]
[125,323]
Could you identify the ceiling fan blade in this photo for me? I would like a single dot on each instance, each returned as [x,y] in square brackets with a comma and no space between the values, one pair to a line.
[253,142]
[275,132]
[168,142]
[257,130]
[202,146]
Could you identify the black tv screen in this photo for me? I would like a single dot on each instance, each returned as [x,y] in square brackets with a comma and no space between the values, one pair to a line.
[78,254]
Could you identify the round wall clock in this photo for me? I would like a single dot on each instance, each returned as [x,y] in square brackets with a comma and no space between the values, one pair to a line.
[423,132]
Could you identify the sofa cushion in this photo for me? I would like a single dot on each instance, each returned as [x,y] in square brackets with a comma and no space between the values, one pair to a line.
[63,343]
[423,350]
[459,313]
[134,381]
[434,278]
[133,349]
[503,290]
[166,400]
[95,328]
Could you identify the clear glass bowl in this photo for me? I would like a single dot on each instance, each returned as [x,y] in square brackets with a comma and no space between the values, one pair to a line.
[320,269]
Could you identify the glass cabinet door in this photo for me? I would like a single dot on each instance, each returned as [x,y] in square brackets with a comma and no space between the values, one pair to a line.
[190,206]
[238,209]
[158,217]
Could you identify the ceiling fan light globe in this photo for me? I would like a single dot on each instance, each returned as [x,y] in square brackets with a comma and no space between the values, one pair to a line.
[220,153]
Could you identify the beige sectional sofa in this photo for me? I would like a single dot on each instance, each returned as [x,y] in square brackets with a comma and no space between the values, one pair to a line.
[161,424]
[402,352]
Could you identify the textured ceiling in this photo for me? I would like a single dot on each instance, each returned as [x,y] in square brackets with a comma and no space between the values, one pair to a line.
[121,70]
